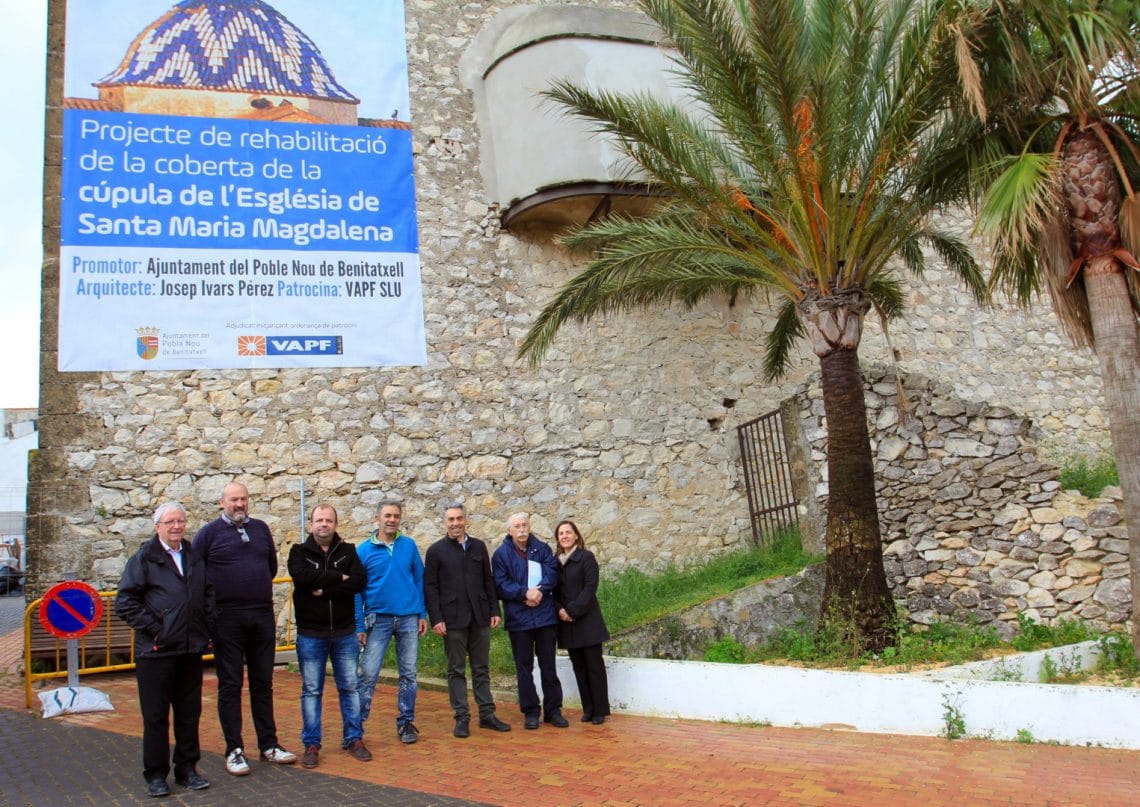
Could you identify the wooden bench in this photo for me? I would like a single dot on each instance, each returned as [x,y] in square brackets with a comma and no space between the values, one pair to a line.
[110,643]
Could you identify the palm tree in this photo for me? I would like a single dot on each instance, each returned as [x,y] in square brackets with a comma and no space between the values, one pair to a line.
[805,171]
[1060,211]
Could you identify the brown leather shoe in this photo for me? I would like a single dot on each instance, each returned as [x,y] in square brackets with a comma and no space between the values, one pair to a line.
[311,756]
[357,749]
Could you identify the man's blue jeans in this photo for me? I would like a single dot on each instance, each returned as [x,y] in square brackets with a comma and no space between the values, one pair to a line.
[406,631]
[312,654]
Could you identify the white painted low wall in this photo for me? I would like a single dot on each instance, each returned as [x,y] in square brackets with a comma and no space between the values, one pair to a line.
[895,703]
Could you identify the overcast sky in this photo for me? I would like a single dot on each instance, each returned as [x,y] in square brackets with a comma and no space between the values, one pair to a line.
[22,60]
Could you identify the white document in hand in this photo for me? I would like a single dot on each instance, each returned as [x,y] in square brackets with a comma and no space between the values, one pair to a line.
[533,573]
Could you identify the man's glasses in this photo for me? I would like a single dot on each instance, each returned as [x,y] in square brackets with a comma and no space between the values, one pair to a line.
[244,534]
[174,522]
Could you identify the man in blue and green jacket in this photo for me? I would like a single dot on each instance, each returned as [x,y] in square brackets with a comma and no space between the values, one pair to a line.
[392,604]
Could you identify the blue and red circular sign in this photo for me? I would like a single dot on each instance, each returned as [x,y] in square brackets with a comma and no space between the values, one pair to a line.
[70,609]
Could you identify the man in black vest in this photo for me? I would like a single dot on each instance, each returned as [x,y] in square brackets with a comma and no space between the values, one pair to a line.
[463,608]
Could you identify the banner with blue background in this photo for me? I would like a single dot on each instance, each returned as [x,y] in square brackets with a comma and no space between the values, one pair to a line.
[227,199]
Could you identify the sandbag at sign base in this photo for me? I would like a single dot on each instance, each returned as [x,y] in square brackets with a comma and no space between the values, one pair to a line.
[73,700]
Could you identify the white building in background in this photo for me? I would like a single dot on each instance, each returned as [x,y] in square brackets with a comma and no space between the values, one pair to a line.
[18,435]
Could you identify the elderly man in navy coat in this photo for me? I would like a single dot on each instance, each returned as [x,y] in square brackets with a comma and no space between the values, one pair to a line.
[525,575]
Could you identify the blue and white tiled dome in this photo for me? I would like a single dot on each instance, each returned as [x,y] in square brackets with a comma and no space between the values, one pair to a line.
[235,45]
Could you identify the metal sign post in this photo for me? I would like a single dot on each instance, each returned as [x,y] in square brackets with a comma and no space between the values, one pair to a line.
[69,610]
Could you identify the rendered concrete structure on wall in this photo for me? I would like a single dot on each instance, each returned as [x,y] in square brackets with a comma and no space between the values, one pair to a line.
[538,163]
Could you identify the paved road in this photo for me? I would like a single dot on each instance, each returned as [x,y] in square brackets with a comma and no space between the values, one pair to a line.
[49,763]
[11,613]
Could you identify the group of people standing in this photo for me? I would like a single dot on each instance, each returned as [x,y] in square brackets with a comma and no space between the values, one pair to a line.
[350,602]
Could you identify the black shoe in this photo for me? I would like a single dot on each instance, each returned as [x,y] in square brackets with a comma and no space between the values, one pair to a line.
[492,722]
[598,720]
[587,717]
[556,719]
[530,721]
[463,728]
[157,788]
[192,781]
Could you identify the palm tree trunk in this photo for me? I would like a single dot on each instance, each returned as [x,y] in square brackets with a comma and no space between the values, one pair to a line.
[1093,196]
[1118,351]
[855,592]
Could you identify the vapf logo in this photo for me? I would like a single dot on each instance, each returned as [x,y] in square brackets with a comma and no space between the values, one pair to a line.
[146,343]
[251,345]
[308,345]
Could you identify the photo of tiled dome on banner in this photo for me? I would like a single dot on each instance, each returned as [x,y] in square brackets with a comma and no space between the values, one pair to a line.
[237,187]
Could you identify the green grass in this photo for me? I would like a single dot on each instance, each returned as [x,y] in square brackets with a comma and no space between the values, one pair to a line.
[433,659]
[940,643]
[1118,660]
[1033,636]
[633,597]
[1089,478]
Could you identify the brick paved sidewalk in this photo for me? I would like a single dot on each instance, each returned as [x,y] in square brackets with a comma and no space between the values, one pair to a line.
[637,760]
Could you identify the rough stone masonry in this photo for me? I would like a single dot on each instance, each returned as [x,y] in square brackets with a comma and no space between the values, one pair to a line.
[627,427]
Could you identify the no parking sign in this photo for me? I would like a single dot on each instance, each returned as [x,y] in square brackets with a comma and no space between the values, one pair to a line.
[70,609]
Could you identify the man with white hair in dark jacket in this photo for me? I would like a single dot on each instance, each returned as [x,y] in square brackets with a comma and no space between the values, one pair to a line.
[525,575]
[165,596]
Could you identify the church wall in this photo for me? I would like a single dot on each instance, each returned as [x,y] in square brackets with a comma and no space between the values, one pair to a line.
[628,426]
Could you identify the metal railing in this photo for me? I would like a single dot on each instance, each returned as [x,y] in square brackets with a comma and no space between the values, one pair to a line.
[110,647]
[772,503]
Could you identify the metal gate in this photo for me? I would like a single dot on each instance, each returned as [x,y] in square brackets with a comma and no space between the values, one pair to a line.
[767,476]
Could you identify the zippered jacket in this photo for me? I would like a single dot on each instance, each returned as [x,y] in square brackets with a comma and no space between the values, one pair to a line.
[322,599]
[511,572]
[171,613]
[395,578]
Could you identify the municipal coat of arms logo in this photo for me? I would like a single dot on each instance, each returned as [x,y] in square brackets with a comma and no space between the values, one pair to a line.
[146,343]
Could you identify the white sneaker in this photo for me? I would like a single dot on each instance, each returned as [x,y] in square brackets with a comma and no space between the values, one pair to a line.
[236,764]
[279,755]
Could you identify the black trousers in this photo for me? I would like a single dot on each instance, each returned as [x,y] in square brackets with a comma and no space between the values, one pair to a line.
[526,644]
[473,644]
[246,637]
[590,673]
[170,684]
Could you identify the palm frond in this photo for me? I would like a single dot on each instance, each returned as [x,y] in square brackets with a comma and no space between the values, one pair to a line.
[786,332]
[959,258]
[804,164]
[888,297]
[1019,202]
[644,262]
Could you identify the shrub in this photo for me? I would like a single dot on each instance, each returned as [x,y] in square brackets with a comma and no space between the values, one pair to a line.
[725,651]
[1090,478]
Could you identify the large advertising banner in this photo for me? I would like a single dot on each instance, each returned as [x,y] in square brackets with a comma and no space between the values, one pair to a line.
[237,187]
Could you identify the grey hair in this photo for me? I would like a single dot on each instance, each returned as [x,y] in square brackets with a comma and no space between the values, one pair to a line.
[456,505]
[163,509]
[391,501]
[513,516]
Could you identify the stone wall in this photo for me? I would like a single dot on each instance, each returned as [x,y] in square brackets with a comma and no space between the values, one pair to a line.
[628,426]
[975,523]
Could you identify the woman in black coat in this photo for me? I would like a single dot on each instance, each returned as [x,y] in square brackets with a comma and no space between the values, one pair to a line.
[581,628]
